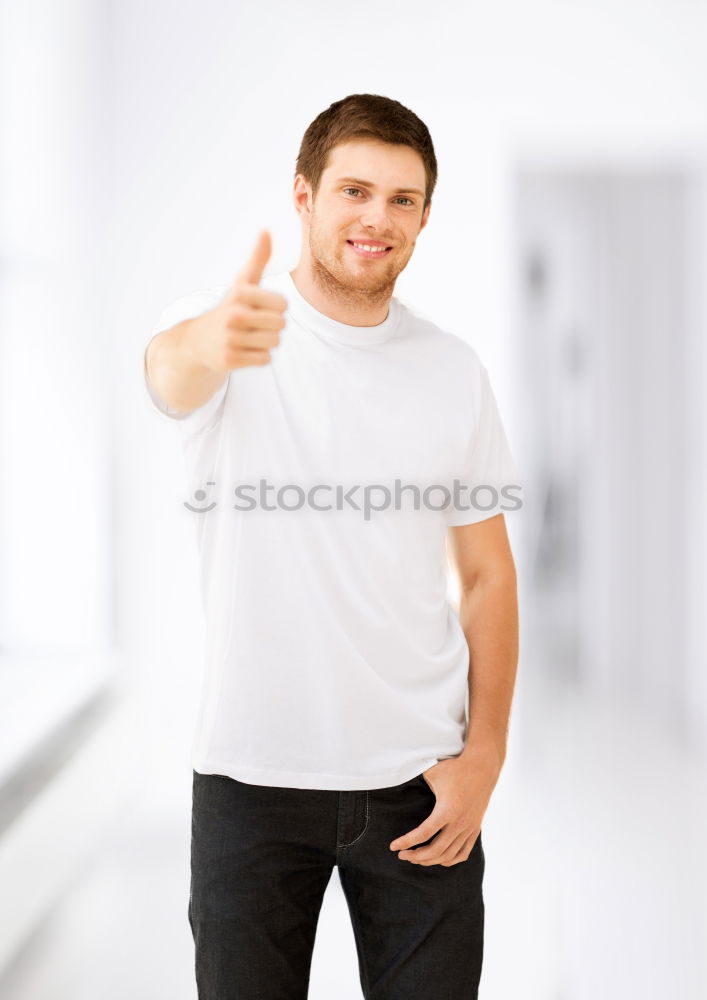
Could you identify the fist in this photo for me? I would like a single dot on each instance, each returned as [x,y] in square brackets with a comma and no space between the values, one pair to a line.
[245,327]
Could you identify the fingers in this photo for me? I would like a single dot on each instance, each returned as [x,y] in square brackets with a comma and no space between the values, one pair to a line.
[255,339]
[445,851]
[254,267]
[422,832]
[250,317]
[261,298]
[250,356]
[440,851]
[254,327]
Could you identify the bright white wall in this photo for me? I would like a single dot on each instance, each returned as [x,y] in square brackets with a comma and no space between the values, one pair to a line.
[55,454]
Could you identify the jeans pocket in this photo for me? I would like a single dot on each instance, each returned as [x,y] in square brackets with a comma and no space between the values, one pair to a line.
[423,781]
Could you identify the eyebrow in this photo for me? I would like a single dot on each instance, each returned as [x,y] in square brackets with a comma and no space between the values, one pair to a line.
[369,184]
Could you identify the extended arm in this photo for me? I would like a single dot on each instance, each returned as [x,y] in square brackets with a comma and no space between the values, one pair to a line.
[188,362]
[173,367]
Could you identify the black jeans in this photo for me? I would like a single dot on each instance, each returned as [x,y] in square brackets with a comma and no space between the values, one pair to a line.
[261,859]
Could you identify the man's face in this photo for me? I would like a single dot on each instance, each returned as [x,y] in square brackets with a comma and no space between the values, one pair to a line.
[370,193]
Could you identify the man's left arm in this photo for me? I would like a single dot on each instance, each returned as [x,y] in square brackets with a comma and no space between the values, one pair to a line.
[488,614]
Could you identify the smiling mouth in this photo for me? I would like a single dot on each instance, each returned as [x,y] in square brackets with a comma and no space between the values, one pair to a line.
[366,250]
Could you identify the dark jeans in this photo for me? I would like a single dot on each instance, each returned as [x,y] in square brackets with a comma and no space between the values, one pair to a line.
[261,859]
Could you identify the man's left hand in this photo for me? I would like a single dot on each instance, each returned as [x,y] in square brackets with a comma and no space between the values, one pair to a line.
[463,786]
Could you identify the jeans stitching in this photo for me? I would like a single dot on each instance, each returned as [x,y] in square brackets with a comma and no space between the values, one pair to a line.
[356,839]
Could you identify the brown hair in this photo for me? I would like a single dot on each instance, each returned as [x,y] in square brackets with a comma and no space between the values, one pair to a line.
[364,116]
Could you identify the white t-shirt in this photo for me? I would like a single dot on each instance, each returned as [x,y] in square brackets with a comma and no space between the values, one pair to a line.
[334,658]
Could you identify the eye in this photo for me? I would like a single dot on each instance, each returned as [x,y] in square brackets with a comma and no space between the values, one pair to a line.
[398,199]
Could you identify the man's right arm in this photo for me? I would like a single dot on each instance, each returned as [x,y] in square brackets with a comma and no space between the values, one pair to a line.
[188,362]
[174,370]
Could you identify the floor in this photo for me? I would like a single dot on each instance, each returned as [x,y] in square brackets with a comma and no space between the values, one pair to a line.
[595,883]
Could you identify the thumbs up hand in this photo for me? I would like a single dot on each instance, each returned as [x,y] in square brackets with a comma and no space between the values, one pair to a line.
[242,330]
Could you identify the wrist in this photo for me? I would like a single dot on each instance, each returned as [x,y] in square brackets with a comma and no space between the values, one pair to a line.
[191,341]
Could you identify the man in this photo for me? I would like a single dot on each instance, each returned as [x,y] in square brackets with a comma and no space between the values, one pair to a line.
[324,424]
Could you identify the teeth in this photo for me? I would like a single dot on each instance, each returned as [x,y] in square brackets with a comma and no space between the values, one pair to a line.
[364,246]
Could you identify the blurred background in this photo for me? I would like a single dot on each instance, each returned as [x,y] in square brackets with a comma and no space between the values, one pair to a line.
[143,145]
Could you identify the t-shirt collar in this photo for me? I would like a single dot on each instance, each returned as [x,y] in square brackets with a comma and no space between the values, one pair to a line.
[304,313]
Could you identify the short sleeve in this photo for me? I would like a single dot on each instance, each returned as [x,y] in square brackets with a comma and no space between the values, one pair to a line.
[186,307]
[488,482]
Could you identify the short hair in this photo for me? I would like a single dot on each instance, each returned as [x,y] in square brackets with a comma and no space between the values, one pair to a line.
[368,116]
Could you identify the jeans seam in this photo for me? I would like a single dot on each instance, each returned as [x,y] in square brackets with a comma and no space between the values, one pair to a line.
[365,827]
[362,950]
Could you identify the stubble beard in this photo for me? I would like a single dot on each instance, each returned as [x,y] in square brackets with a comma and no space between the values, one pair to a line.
[332,276]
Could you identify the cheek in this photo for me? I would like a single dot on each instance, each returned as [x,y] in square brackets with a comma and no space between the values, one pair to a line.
[345,219]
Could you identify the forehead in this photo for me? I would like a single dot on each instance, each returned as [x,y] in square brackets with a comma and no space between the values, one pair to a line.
[379,162]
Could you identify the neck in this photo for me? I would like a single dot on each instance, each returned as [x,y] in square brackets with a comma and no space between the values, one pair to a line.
[353,306]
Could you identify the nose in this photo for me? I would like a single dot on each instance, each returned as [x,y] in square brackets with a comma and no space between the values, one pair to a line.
[376,218]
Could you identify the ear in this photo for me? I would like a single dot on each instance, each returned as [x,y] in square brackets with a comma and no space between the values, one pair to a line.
[425,216]
[302,197]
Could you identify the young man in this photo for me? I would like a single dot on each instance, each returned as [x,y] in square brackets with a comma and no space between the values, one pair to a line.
[324,424]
